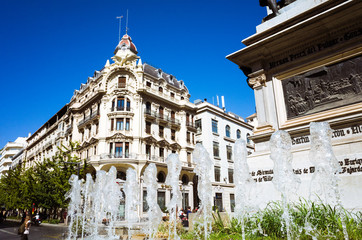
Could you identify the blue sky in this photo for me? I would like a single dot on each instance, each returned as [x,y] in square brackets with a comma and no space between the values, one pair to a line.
[48,48]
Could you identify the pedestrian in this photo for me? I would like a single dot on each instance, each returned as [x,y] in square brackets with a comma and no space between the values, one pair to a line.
[188,212]
[27,223]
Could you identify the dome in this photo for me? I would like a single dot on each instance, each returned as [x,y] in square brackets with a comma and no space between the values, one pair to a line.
[126,43]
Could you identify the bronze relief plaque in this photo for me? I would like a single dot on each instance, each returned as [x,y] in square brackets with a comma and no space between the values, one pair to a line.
[324,88]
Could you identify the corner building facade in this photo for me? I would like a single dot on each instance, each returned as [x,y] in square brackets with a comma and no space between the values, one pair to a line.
[128,114]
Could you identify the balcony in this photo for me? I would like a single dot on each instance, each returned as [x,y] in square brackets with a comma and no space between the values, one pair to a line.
[156,93]
[88,119]
[69,129]
[191,126]
[161,117]
[120,109]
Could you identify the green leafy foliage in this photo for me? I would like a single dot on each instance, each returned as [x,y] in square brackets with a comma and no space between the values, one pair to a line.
[311,220]
[44,184]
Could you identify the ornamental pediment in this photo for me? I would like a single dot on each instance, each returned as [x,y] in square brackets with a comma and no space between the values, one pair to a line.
[119,136]
[150,139]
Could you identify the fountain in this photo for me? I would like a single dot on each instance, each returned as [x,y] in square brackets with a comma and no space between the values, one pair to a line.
[154,212]
[244,184]
[172,179]
[131,190]
[203,169]
[325,179]
[93,204]
[285,181]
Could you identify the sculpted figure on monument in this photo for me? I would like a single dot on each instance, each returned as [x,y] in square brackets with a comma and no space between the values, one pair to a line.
[274,5]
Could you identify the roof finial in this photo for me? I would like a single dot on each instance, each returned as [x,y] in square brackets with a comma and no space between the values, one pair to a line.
[127,22]
[119,31]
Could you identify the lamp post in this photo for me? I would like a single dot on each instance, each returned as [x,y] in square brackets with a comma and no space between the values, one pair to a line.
[78,166]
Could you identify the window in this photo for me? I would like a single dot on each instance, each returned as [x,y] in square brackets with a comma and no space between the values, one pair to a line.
[160,112]
[188,137]
[229,152]
[148,84]
[189,159]
[120,104]
[112,123]
[198,125]
[217,174]
[232,202]
[173,116]
[148,152]
[247,138]
[227,131]
[187,119]
[161,153]
[148,107]
[161,177]
[119,150]
[173,134]
[161,200]
[214,125]
[111,148]
[145,205]
[231,175]
[148,127]
[160,89]
[126,150]
[172,94]
[119,124]
[127,124]
[216,149]
[128,105]
[238,134]
[122,82]
[160,131]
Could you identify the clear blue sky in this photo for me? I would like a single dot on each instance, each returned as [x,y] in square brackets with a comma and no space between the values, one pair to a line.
[49,47]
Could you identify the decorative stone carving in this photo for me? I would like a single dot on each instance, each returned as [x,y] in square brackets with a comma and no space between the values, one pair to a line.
[257,79]
[324,88]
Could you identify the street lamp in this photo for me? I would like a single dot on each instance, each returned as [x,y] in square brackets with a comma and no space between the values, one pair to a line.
[78,166]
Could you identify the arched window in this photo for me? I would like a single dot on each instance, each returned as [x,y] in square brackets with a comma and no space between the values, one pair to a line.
[185,179]
[121,104]
[238,134]
[160,112]
[160,89]
[227,130]
[247,138]
[161,177]
[121,175]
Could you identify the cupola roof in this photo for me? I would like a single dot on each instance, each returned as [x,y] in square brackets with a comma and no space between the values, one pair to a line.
[126,43]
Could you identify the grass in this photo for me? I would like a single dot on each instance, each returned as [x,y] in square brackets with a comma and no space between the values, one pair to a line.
[310,220]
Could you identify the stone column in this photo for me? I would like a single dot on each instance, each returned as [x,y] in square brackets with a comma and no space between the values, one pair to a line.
[258,81]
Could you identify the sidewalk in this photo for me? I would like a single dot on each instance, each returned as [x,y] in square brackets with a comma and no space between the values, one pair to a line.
[46,224]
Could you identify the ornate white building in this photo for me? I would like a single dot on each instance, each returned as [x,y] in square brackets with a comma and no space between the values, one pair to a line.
[8,152]
[218,130]
[128,115]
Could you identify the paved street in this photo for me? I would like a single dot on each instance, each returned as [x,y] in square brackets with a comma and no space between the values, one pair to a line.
[9,231]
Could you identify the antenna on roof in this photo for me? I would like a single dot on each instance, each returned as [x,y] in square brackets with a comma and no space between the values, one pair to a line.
[119,31]
[127,22]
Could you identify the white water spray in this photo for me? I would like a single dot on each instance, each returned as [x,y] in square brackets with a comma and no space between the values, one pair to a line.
[203,169]
[285,181]
[154,212]
[131,190]
[325,178]
[244,184]
[172,179]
